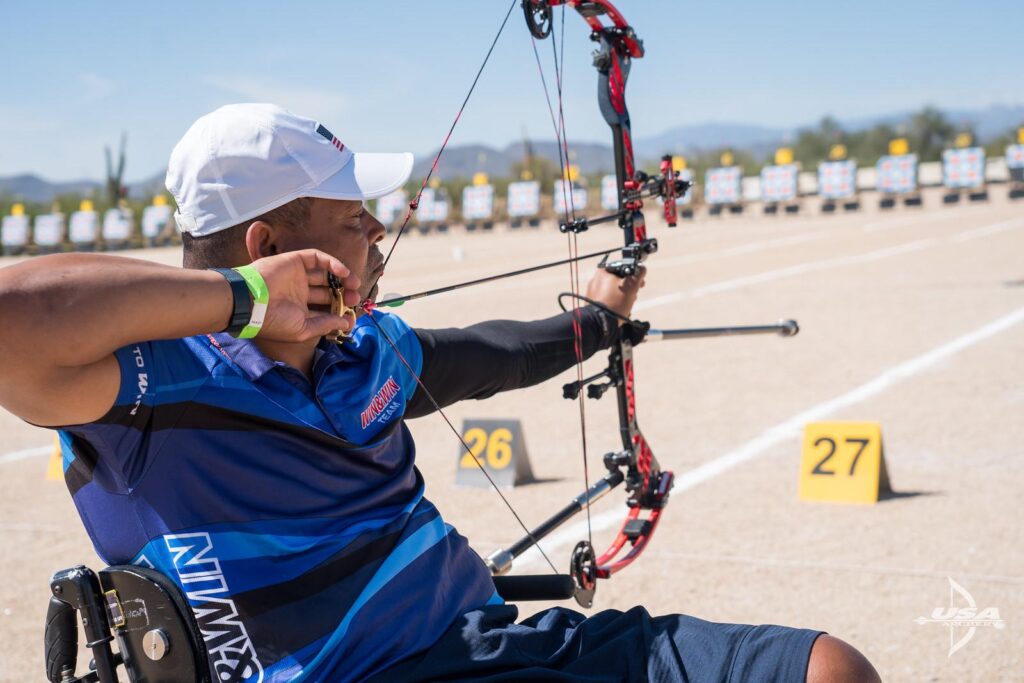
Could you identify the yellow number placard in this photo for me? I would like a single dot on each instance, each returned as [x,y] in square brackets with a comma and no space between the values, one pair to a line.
[496,446]
[493,450]
[843,462]
[55,468]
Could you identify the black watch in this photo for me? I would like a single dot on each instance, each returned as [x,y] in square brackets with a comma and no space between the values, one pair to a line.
[241,309]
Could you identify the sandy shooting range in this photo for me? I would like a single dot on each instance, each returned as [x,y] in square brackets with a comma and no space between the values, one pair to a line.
[913,319]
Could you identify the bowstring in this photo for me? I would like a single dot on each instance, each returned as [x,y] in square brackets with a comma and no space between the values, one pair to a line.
[414,204]
[465,445]
[367,306]
[569,208]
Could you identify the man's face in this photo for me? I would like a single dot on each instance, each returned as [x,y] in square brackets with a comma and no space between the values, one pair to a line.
[348,231]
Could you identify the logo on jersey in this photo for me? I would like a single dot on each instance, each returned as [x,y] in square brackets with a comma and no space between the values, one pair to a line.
[143,380]
[381,400]
[231,653]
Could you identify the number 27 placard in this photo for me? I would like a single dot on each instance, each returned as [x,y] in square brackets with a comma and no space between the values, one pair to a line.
[843,462]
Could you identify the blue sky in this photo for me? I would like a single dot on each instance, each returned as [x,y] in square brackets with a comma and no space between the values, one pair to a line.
[390,75]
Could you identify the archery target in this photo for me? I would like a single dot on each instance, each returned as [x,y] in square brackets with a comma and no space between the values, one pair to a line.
[578,200]
[524,198]
[83,226]
[433,206]
[837,179]
[609,193]
[897,174]
[963,167]
[722,185]
[117,225]
[478,202]
[1015,163]
[14,231]
[778,183]
[49,229]
[1015,156]
[390,206]
[154,220]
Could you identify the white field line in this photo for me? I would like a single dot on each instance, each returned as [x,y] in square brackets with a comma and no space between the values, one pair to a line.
[904,220]
[786,430]
[14,456]
[825,264]
[749,248]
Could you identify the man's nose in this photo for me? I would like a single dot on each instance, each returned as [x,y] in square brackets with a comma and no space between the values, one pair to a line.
[375,230]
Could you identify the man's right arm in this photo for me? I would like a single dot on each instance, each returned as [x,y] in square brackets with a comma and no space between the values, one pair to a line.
[63,316]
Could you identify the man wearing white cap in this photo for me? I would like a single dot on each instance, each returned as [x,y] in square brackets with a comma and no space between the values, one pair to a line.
[209,430]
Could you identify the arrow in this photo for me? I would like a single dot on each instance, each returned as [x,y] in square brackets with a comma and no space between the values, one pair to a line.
[395,300]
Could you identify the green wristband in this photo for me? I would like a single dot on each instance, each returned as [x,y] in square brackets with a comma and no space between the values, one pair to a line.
[260,299]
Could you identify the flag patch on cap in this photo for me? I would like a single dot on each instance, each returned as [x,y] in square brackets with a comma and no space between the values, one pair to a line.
[329,136]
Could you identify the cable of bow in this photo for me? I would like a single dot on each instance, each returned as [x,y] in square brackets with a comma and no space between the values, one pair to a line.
[367,306]
[569,212]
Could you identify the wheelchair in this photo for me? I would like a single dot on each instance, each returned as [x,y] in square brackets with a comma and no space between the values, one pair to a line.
[158,638]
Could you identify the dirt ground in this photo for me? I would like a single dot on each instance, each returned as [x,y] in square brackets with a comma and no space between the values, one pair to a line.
[913,319]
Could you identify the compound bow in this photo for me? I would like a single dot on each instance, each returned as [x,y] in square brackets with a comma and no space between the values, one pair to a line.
[635,464]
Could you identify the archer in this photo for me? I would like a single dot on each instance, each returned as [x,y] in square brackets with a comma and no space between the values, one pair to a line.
[211,430]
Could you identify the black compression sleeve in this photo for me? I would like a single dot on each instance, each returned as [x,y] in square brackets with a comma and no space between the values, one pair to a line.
[498,355]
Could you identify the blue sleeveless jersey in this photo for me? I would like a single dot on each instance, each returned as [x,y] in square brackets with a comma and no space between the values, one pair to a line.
[291,514]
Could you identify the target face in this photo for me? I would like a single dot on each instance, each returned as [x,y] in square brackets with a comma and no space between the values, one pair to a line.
[609,193]
[1015,156]
[14,231]
[578,198]
[154,219]
[391,205]
[837,179]
[779,183]
[117,225]
[963,168]
[49,229]
[897,174]
[524,198]
[478,202]
[83,226]
[433,207]
[722,185]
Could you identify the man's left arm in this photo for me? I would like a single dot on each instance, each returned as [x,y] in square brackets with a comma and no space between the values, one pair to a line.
[500,355]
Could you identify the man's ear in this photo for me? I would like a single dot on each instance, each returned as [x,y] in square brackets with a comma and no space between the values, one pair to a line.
[261,240]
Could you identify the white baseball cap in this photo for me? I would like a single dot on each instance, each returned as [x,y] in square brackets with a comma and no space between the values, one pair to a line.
[243,160]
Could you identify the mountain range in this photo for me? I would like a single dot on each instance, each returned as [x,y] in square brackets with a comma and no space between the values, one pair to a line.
[465,160]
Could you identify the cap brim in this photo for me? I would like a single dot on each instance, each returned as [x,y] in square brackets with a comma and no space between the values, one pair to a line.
[367,175]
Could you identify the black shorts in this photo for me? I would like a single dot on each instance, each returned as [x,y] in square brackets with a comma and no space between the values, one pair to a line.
[562,645]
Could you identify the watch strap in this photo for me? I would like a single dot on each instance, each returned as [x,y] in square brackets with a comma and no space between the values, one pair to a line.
[242,302]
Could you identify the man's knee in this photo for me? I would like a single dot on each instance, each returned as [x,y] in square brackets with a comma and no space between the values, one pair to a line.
[834,661]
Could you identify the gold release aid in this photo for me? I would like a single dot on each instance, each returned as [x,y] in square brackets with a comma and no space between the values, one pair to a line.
[339,308]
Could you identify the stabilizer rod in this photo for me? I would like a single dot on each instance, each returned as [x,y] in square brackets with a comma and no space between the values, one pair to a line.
[500,561]
[783,328]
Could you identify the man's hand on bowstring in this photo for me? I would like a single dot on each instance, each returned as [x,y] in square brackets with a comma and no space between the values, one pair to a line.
[617,293]
[300,299]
